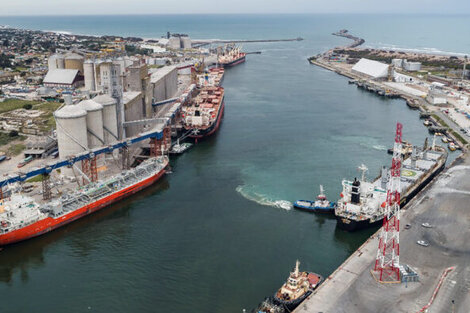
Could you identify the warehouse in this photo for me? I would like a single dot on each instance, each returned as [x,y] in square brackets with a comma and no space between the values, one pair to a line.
[371,69]
[66,78]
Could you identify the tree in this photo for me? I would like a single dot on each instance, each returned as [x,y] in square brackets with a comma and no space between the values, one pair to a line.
[13,133]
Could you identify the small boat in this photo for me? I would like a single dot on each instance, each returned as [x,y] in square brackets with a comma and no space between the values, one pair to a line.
[180,148]
[299,285]
[452,146]
[444,139]
[427,123]
[321,204]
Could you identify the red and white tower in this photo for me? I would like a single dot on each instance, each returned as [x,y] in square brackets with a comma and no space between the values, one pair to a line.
[388,253]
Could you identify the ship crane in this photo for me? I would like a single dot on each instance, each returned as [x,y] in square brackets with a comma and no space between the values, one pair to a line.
[388,253]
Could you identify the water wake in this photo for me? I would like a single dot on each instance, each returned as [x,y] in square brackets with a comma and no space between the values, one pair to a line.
[248,193]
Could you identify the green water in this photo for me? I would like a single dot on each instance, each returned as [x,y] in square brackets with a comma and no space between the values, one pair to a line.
[218,234]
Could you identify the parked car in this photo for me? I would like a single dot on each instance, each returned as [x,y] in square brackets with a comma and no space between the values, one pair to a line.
[422,243]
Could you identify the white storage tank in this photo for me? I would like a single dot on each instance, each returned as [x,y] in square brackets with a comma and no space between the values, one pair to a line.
[56,61]
[94,122]
[186,42]
[89,73]
[110,126]
[71,130]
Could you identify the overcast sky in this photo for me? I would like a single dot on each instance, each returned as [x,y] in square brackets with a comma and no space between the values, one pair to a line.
[73,7]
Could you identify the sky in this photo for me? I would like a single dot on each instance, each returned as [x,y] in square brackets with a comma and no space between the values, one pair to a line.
[105,7]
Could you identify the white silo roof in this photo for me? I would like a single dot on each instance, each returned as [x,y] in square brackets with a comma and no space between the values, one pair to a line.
[75,56]
[70,111]
[105,100]
[90,105]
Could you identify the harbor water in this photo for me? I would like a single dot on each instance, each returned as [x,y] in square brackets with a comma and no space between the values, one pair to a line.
[219,234]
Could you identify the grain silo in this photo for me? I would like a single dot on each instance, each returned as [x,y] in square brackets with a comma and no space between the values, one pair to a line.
[56,61]
[186,42]
[94,122]
[110,126]
[89,73]
[71,130]
[74,61]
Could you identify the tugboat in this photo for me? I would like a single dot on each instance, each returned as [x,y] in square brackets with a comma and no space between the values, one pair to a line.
[299,285]
[321,205]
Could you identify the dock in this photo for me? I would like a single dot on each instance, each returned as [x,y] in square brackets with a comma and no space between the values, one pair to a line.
[203,42]
[442,204]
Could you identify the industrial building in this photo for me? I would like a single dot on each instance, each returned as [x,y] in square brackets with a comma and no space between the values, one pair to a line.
[179,42]
[40,147]
[65,78]
[409,66]
[70,61]
[371,69]
[436,97]
[164,83]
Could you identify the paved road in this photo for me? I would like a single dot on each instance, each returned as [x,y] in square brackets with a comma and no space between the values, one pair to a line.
[452,124]
[445,205]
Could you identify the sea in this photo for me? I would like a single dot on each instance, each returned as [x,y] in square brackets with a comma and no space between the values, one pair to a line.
[219,233]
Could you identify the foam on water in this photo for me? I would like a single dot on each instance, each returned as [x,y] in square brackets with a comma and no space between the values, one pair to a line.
[248,192]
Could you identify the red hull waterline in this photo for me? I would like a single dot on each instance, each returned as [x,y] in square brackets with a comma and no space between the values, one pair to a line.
[236,62]
[215,128]
[48,224]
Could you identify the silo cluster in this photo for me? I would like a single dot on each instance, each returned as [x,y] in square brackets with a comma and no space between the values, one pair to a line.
[86,125]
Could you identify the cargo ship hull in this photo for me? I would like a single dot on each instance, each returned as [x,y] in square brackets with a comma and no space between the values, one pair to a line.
[212,128]
[234,62]
[49,224]
[353,225]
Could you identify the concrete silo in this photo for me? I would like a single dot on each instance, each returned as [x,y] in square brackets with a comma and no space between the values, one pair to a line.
[110,125]
[74,61]
[94,122]
[71,130]
[186,42]
[56,61]
[89,73]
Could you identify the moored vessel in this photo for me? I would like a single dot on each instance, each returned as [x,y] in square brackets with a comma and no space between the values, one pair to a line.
[299,285]
[231,57]
[320,205]
[203,115]
[211,77]
[362,203]
[22,217]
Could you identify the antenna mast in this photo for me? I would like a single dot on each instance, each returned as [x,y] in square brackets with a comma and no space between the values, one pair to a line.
[388,254]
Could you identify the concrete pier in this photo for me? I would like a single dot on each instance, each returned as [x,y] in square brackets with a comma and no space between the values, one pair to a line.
[444,205]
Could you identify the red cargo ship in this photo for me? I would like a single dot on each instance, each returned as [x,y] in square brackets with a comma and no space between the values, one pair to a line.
[202,117]
[21,217]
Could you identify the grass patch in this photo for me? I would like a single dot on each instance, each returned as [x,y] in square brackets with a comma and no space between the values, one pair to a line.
[440,120]
[16,149]
[5,138]
[13,104]
[48,108]
[35,179]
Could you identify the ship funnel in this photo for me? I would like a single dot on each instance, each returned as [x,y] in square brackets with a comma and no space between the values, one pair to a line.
[355,192]
[384,177]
